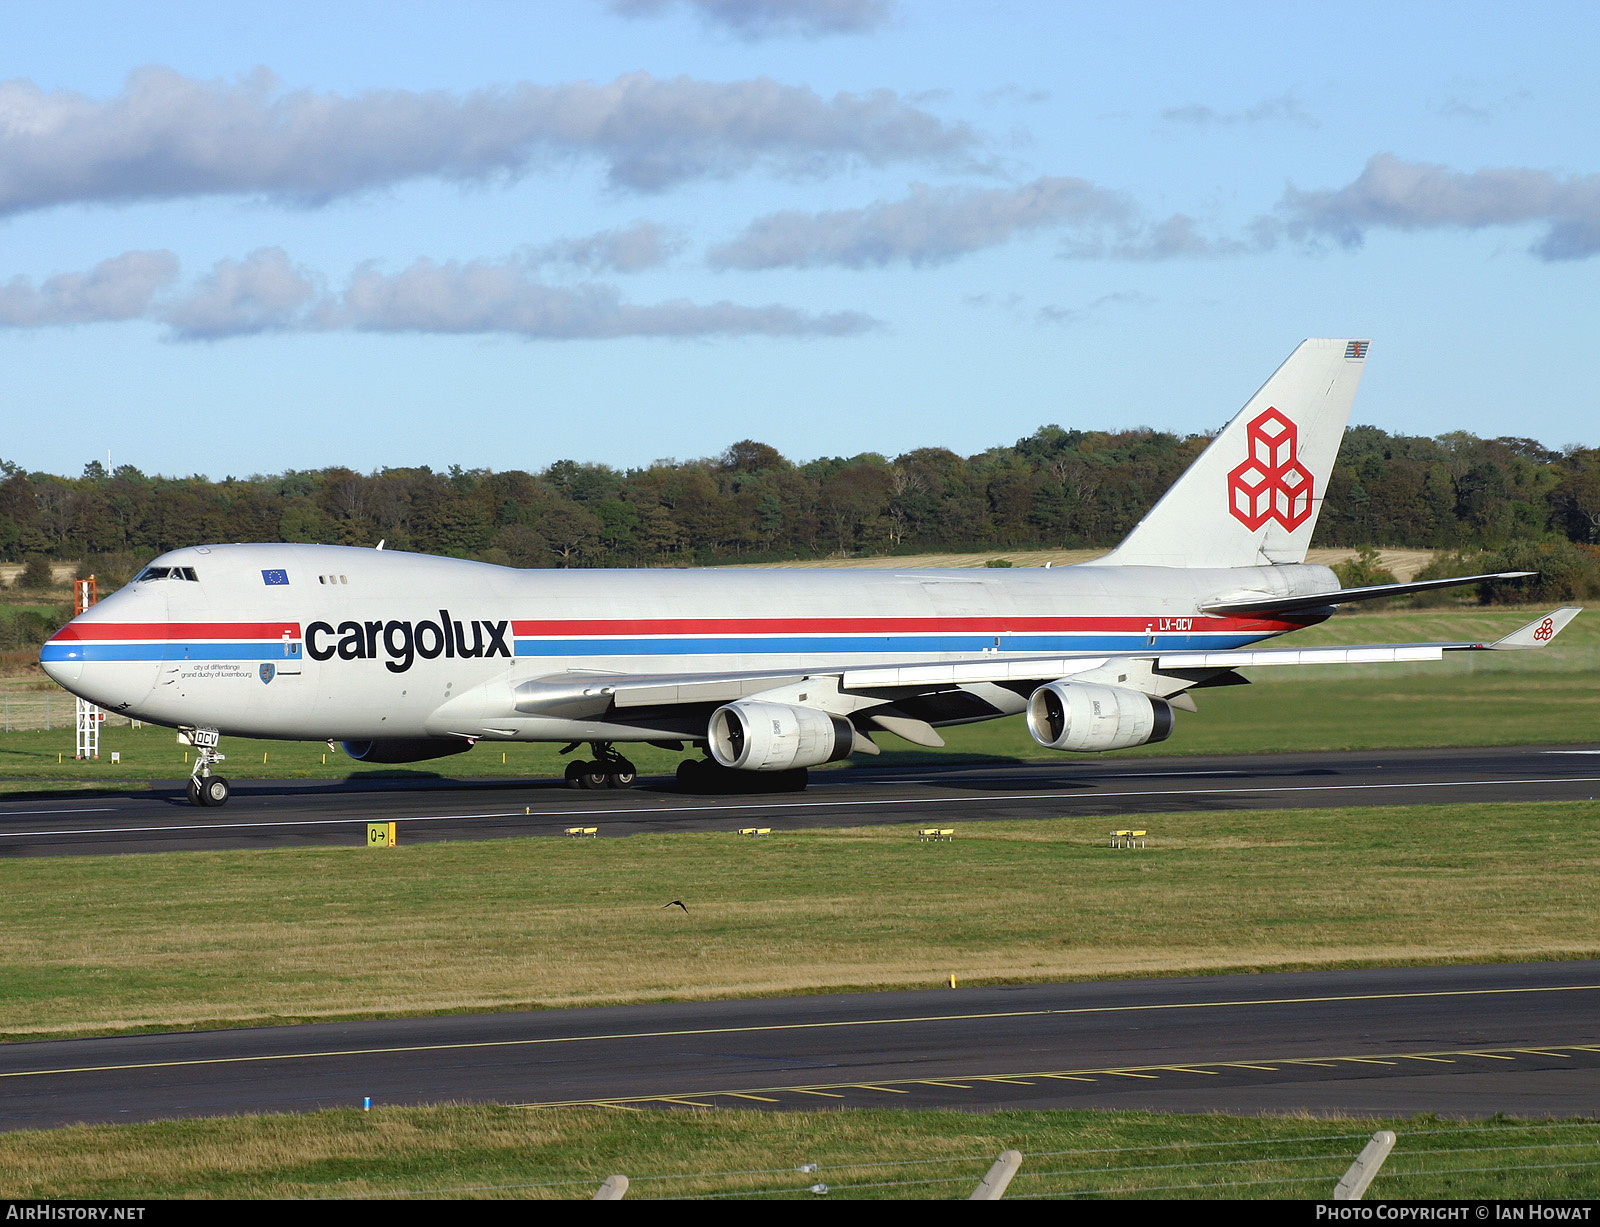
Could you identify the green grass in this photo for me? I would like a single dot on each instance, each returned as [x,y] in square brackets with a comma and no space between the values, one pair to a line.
[497,1152]
[96,945]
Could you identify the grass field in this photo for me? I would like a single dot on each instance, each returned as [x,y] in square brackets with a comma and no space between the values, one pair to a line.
[106,944]
[549,1154]
[1500,698]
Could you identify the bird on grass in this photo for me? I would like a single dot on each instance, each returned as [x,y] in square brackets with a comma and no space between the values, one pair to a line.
[675,903]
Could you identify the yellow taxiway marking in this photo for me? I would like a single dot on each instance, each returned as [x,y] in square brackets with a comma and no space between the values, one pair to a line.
[688,1103]
[742,1095]
[604,1037]
[1026,1077]
[1540,1052]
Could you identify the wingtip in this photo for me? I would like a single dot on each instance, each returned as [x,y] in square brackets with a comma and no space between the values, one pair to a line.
[1539,633]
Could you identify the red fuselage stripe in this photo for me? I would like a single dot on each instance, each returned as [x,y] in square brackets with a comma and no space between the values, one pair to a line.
[994,624]
[164,631]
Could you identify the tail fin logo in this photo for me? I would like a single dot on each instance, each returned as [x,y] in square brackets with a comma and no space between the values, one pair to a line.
[1272,484]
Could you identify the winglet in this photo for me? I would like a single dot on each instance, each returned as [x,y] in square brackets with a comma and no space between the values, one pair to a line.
[1538,633]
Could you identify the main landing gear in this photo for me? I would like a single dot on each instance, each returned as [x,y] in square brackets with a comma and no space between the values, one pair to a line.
[205,788]
[608,770]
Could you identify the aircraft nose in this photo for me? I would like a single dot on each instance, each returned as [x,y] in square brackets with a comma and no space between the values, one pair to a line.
[63,671]
[99,661]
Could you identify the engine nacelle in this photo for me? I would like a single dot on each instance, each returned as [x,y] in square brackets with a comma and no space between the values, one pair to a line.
[755,736]
[405,749]
[1085,717]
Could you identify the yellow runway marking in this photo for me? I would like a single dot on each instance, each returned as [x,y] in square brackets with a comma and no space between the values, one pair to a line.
[469,1045]
[1028,1077]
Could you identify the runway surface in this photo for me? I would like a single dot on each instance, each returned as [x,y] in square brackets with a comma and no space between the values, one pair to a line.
[286,813]
[1456,1041]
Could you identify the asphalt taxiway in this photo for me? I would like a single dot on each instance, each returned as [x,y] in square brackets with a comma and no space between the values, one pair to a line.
[286,813]
[1457,1041]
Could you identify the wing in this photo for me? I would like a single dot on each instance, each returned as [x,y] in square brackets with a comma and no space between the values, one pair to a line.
[850,689]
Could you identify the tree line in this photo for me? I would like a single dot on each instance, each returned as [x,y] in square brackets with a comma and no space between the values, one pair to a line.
[1054,489]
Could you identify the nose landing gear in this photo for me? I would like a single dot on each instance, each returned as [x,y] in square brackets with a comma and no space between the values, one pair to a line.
[205,788]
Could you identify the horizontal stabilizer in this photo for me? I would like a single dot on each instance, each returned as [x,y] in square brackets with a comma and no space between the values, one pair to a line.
[1341,596]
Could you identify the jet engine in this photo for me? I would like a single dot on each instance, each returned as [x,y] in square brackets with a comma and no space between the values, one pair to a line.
[755,736]
[1084,717]
[405,749]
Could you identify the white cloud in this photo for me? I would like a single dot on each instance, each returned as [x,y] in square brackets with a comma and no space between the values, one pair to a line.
[121,288]
[502,296]
[757,19]
[1284,107]
[265,293]
[642,245]
[1396,195]
[261,293]
[168,136]
[930,226]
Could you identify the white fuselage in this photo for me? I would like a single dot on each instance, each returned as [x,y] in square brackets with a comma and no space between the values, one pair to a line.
[329,642]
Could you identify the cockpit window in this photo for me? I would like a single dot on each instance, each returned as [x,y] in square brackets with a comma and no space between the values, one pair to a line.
[155,573]
[168,573]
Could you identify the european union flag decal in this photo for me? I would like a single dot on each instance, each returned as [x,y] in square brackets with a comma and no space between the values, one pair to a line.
[274,577]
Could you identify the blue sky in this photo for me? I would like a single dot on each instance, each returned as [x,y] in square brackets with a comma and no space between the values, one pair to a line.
[244,238]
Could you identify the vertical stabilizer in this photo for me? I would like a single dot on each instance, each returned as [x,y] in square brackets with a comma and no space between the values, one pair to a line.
[1253,496]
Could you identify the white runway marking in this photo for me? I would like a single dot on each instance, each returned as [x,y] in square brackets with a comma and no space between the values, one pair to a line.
[20,813]
[787,805]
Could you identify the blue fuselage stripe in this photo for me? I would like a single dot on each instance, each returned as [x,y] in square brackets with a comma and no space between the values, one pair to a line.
[169,651]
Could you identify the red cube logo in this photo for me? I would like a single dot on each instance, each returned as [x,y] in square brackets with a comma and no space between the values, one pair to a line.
[1271,484]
